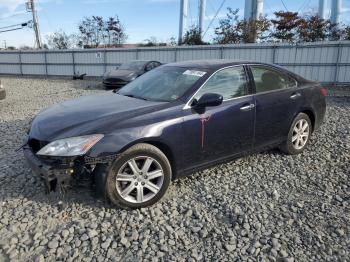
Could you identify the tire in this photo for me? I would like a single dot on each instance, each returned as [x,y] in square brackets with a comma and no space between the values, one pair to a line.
[139,177]
[293,145]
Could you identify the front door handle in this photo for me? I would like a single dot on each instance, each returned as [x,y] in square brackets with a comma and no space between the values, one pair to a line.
[295,95]
[247,107]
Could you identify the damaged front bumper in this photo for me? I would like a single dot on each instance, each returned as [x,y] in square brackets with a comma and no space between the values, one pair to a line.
[58,173]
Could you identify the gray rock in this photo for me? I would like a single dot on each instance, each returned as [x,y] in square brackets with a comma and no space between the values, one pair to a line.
[125,242]
[84,237]
[65,233]
[229,247]
[53,244]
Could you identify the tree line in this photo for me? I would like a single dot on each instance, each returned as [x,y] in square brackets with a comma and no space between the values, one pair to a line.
[285,26]
[290,27]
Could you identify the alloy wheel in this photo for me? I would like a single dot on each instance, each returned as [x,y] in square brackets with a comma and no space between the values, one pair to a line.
[301,134]
[139,179]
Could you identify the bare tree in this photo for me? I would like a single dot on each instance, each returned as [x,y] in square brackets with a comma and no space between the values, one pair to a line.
[60,40]
[92,31]
[115,31]
[226,32]
[231,30]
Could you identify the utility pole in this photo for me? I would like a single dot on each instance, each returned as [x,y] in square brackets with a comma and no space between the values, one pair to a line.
[5,46]
[322,6]
[202,6]
[31,8]
[253,10]
[335,11]
[183,18]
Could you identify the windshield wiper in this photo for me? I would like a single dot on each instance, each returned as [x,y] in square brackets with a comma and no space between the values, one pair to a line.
[137,97]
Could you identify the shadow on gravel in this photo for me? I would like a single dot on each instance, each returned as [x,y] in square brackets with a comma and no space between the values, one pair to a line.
[88,84]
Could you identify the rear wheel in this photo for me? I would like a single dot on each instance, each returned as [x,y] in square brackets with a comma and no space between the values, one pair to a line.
[139,177]
[299,135]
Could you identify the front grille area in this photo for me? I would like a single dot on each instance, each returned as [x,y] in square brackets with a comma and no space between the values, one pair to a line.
[114,82]
[36,145]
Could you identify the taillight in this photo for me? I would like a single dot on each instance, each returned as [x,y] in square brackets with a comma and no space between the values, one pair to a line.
[324,91]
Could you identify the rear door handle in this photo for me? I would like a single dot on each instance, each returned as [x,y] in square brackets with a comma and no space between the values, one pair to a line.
[247,107]
[295,95]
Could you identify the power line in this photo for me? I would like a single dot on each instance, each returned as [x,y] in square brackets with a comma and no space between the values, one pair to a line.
[217,12]
[8,30]
[284,5]
[21,24]
[304,5]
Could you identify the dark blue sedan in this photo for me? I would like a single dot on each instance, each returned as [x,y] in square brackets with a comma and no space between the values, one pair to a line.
[170,122]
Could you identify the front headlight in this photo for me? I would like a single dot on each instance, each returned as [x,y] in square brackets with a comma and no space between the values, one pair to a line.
[73,146]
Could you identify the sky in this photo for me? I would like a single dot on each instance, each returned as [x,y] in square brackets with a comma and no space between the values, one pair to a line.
[142,19]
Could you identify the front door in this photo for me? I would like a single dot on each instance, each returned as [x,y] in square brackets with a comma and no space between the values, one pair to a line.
[220,131]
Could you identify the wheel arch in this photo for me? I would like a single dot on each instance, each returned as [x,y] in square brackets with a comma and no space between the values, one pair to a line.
[162,146]
[311,115]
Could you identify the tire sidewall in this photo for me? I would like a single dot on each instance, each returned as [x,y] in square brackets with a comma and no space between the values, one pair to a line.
[290,147]
[133,152]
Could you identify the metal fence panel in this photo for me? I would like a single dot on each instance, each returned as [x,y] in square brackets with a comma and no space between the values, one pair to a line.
[91,70]
[343,74]
[344,54]
[59,58]
[163,56]
[324,61]
[184,54]
[33,69]
[60,70]
[35,57]
[116,57]
[10,70]
[9,57]
[95,57]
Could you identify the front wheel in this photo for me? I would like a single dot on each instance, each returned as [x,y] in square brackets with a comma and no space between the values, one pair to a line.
[299,135]
[139,177]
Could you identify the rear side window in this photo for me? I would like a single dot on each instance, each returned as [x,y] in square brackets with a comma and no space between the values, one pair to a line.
[230,82]
[267,79]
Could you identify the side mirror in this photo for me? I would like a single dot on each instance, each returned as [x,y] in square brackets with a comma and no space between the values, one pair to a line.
[208,99]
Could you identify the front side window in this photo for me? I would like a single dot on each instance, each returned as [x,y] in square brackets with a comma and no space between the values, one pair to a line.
[267,79]
[229,82]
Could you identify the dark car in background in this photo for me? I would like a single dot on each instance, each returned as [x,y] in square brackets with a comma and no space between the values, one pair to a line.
[170,122]
[127,72]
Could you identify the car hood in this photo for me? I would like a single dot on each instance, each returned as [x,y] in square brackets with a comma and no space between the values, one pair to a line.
[122,74]
[87,115]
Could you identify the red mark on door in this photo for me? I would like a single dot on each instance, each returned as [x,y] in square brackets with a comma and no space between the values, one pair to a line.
[203,120]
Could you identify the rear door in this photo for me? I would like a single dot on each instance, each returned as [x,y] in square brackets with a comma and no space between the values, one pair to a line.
[277,100]
[224,130]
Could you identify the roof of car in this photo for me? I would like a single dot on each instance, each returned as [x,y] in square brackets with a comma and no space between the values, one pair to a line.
[210,64]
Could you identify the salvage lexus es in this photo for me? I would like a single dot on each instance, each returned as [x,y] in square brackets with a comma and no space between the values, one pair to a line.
[170,122]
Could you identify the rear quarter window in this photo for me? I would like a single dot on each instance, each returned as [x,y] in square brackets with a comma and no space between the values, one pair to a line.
[268,79]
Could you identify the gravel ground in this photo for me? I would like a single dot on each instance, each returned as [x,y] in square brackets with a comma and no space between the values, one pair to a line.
[266,206]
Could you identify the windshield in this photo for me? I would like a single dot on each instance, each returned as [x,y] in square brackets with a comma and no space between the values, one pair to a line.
[162,84]
[135,66]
